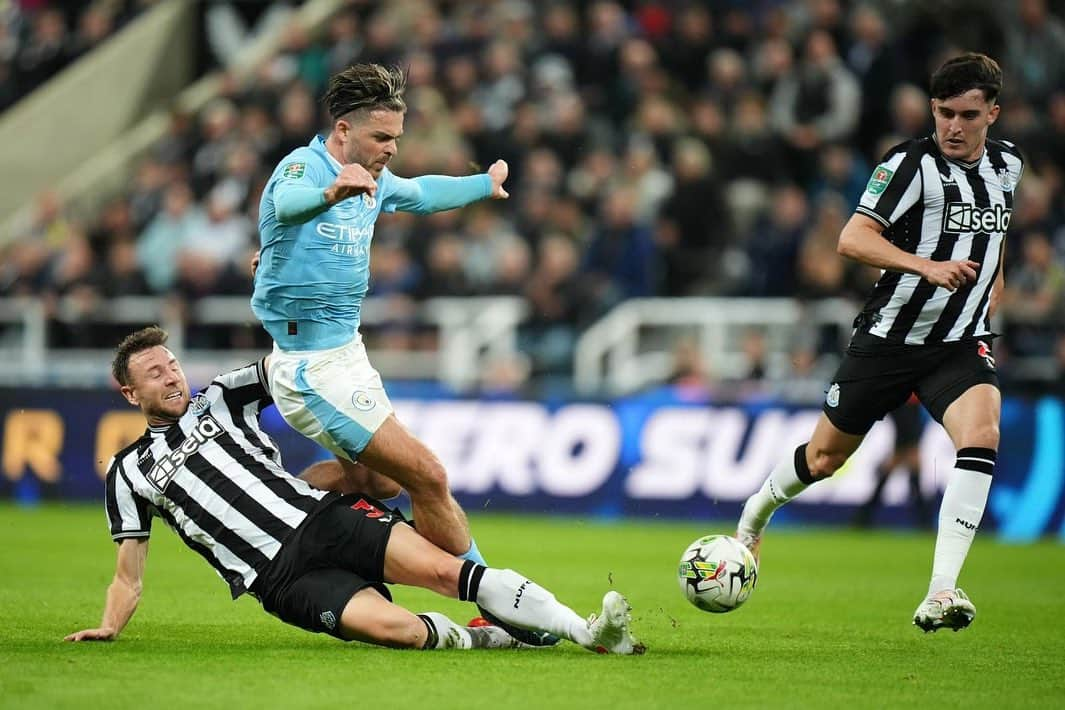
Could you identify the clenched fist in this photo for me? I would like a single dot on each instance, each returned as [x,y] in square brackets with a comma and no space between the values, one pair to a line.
[353,180]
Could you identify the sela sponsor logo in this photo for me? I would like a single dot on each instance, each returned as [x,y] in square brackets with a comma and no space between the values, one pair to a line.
[328,619]
[163,471]
[832,397]
[959,217]
[520,592]
[965,524]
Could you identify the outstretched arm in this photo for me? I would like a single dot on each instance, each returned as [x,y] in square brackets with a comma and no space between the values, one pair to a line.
[436,193]
[122,595]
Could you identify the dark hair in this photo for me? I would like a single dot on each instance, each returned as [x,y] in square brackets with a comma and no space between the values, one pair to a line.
[132,344]
[366,86]
[965,72]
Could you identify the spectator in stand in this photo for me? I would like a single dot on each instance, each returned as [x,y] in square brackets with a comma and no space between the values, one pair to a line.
[818,102]
[910,117]
[46,52]
[691,244]
[619,263]
[213,258]
[554,293]
[1034,300]
[773,247]
[444,275]
[174,226]
[1036,52]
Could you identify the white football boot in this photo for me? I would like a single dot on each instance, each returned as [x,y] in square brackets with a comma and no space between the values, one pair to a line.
[493,637]
[610,629]
[949,609]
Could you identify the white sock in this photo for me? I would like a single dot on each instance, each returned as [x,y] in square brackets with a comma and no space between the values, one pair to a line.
[522,602]
[790,478]
[444,633]
[960,514]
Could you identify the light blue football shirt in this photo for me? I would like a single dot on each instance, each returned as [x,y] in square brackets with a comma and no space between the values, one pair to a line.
[314,266]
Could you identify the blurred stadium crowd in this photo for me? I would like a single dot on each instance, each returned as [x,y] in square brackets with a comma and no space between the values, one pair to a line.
[38,38]
[656,148]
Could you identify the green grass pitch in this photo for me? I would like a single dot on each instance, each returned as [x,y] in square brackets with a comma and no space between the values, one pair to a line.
[827,626]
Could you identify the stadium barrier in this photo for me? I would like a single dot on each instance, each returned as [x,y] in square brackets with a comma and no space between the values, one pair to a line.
[470,333]
[654,454]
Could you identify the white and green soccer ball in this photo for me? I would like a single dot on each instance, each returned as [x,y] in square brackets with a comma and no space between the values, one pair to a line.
[717,573]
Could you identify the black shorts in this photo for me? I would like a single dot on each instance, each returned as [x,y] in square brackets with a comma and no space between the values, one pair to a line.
[877,377]
[337,551]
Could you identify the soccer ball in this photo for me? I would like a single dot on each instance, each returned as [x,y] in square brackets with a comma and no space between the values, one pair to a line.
[717,573]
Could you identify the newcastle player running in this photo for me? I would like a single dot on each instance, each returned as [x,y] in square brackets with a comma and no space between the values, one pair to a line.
[933,217]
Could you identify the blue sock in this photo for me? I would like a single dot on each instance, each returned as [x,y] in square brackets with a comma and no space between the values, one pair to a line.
[473,554]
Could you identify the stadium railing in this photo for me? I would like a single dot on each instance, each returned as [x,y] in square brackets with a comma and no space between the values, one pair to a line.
[469,332]
[632,346]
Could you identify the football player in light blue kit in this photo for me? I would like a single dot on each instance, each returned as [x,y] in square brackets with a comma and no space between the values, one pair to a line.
[316,222]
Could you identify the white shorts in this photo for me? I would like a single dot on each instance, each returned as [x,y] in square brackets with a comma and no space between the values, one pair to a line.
[334,397]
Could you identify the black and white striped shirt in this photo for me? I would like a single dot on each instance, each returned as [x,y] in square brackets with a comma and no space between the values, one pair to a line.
[943,210]
[215,478]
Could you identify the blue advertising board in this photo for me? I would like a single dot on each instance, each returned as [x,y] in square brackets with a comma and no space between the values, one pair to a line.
[653,454]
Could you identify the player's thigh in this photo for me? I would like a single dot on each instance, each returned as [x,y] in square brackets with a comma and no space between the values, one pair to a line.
[973,418]
[412,560]
[360,478]
[863,391]
[317,599]
[964,382]
[347,477]
[395,452]
[371,618]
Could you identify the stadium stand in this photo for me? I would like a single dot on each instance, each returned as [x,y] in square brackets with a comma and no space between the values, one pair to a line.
[656,150]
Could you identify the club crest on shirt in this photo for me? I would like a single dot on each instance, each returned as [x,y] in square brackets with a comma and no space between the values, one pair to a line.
[199,404]
[1005,179]
[369,201]
[880,179]
[294,170]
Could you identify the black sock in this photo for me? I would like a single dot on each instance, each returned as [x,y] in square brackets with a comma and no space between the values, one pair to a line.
[432,637]
[801,469]
[470,580]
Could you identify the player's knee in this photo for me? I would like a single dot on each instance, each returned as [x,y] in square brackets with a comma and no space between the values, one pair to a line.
[363,479]
[984,436]
[824,463]
[325,476]
[431,479]
[383,487]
